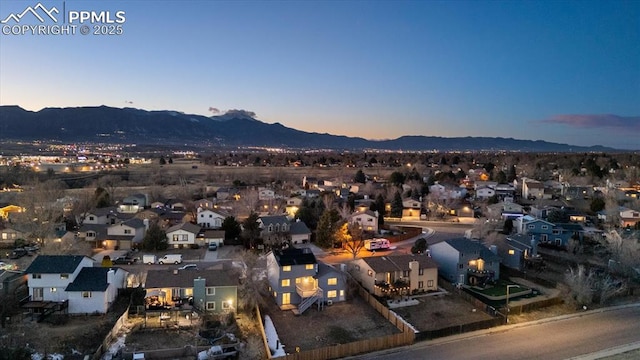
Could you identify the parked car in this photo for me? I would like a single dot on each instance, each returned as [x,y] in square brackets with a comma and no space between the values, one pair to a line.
[125,260]
[189,267]
[18,253]
[213,246]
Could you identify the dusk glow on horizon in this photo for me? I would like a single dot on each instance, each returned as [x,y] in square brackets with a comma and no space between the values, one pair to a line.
[565,72]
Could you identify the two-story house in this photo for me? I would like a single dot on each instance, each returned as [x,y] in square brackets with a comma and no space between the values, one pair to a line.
[10,234]
[545,232]
[396,274]
[629,217]
[183,234]
[266,194]
[71,280]
[133,203]
[367,220]
[213,291]
[293,205]
[125,235]
[209,219]
[295,280]
[274,229]
[466,262]
[411,209]
[299,232]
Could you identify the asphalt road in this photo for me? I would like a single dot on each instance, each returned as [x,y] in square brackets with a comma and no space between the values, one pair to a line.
[567,337]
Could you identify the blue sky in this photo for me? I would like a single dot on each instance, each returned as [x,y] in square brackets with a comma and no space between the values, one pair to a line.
[561,71]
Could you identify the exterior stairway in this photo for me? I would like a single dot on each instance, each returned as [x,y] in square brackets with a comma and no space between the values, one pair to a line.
[306,303]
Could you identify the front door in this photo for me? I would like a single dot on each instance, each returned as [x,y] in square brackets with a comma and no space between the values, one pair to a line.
[286,298]
[37,294]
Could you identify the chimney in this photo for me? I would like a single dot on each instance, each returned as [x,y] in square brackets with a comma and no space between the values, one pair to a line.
[111,274]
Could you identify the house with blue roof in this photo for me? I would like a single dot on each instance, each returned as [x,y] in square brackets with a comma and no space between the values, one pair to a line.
[467,262]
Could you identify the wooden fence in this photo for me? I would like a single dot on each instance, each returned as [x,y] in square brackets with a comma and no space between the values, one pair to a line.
[113,333]
[406,337]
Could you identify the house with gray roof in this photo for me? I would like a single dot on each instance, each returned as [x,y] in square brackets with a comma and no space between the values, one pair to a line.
[396,274]
[213,291]
[56,279]
[300,233]
[466,262]
[274,229]
[183,234]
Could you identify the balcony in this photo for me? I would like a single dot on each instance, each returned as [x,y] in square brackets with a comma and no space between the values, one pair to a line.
[306,289]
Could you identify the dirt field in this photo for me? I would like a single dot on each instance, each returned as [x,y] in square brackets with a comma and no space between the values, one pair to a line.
[339,323]
[440,311]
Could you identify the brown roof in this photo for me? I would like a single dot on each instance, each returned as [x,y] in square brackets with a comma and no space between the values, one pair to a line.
[381,264]
[184,278]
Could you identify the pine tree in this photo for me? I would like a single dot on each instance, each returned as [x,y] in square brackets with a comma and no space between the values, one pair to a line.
[396,205]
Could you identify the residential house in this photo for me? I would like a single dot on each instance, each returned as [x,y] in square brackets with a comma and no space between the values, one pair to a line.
[176,205]
[545,232]
[208,236]
[6,209]
[532,189]
[484,192]
[447,191]
[466,262]
[95,289]
[182,235]
[367,220]
[629,217]
[333,283]
[274,229]
[517,250]
[266,194]
[293,279]
[96,234]
[225,193]
[299,232]
[505,191]
[411,209]
[134,203]
[10,234]
[213,291]
[204,204]
[71,282]
[100,216]
[209,219]
[125,235]
[396,274]
[293,205]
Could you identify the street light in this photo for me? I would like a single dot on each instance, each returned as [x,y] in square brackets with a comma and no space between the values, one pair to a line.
[507,304]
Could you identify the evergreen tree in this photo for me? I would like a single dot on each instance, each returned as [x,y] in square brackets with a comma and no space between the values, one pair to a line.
[101,198]
[360,177]
[231,228]
[326,228]
[396,205]
[380,208]
[251,231]
[155,239]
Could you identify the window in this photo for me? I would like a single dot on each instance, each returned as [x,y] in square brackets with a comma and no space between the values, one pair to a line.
[430,283]
[370,272]
[36,276]
[342,293]
[211,291]
[405,273]
[127,231]
[286,268]
[270,228]
[210,216]
[226,305]
[420,284]
[285,282]
[64,276]
[309,266]
[91,218]
[544,227]
[38,294]
[4,236]
[53,290]
[556,232]
[511,251]
[332,281]
[531,227]
[277,227]
[332,294]
[86,294]
[180,237]
[421,271]
[460,266]
[211,305]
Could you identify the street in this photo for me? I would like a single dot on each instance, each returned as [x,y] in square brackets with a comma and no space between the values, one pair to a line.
[566,337]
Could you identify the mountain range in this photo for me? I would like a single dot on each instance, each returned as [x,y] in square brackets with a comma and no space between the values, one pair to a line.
[236,128]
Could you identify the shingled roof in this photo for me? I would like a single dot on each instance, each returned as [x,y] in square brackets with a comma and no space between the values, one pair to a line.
[55,264]
[90,279]
[184,278]
[393,263]
[294,256]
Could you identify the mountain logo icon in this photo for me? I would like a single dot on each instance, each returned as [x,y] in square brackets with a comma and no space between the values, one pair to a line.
[35,12]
